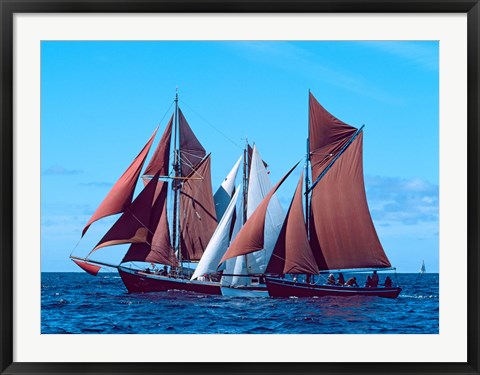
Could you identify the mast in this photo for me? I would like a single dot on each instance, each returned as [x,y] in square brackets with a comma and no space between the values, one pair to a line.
[307,180]
[176,185]
[245,180]
[245,189]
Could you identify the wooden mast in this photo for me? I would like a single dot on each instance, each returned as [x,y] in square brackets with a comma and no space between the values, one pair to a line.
[307,179]
[176,185]
[246,166]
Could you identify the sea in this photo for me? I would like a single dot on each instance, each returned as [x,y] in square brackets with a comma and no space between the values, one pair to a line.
[79,303]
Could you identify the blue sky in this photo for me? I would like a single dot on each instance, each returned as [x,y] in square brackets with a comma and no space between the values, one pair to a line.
[101,101]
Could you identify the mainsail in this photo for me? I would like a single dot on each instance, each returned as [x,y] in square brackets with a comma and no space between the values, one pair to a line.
[342,234]
[258,187]
[342,230]
[197,212]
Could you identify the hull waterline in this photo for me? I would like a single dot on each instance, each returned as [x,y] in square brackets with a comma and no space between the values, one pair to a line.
[141,282]
[287,288]
[258,291]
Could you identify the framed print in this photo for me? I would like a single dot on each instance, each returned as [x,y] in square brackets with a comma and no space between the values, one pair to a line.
[228,186]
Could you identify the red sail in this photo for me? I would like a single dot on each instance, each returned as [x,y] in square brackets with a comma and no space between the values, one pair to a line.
[87,267]
[191,151]
[132,226]
[292,252]
[342,234]
[327,136]
[160,159]
[121,194]
[197,212]
[250,238]
[324,128]
[158,247]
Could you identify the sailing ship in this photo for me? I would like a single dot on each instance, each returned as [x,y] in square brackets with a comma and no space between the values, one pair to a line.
[422,268]
[336,233]
[243,275]
[144,222]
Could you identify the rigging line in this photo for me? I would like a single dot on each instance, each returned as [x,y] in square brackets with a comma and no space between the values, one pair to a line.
[76,245]
[136,218]
[167,111]
[193,167]
[210,124]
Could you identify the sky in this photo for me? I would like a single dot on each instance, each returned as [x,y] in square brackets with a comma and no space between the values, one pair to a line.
[101,101]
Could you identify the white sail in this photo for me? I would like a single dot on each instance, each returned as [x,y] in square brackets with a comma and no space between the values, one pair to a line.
[258,187]
[218,243]
[236,266]
[224,193]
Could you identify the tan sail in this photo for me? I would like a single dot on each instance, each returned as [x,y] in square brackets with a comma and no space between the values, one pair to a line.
[191,150]
[158,247]
[292,253]
[342,232]
[161,157]
[197,212]
[132,226]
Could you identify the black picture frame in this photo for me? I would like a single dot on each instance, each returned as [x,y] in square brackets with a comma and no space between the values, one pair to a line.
[9,8]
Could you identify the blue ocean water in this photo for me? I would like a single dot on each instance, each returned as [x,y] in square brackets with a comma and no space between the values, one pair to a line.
[79,303]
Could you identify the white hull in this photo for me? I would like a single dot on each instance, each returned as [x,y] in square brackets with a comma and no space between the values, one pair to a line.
[257,291]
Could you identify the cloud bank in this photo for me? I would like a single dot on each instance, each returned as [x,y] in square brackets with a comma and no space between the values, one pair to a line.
[404,201]
[59,170]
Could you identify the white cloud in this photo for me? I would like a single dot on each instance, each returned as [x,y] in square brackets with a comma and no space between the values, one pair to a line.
[59,170]
[408,202]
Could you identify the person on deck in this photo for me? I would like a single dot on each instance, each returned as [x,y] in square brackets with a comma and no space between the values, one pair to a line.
[368,283]
[351,282]
[375,279]
[388,282]
[341,279]
[331,279]
[164,272]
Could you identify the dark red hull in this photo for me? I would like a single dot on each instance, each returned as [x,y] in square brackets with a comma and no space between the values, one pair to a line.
[141,282]
[287,288]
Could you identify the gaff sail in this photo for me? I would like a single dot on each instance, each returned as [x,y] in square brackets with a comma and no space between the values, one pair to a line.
[197,212]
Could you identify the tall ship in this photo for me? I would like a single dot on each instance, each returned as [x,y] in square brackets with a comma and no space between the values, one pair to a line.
[165,244]
[243,276]
[328,228]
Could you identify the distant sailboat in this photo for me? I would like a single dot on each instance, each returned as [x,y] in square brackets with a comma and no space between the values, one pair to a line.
[338,235]
[422,268]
